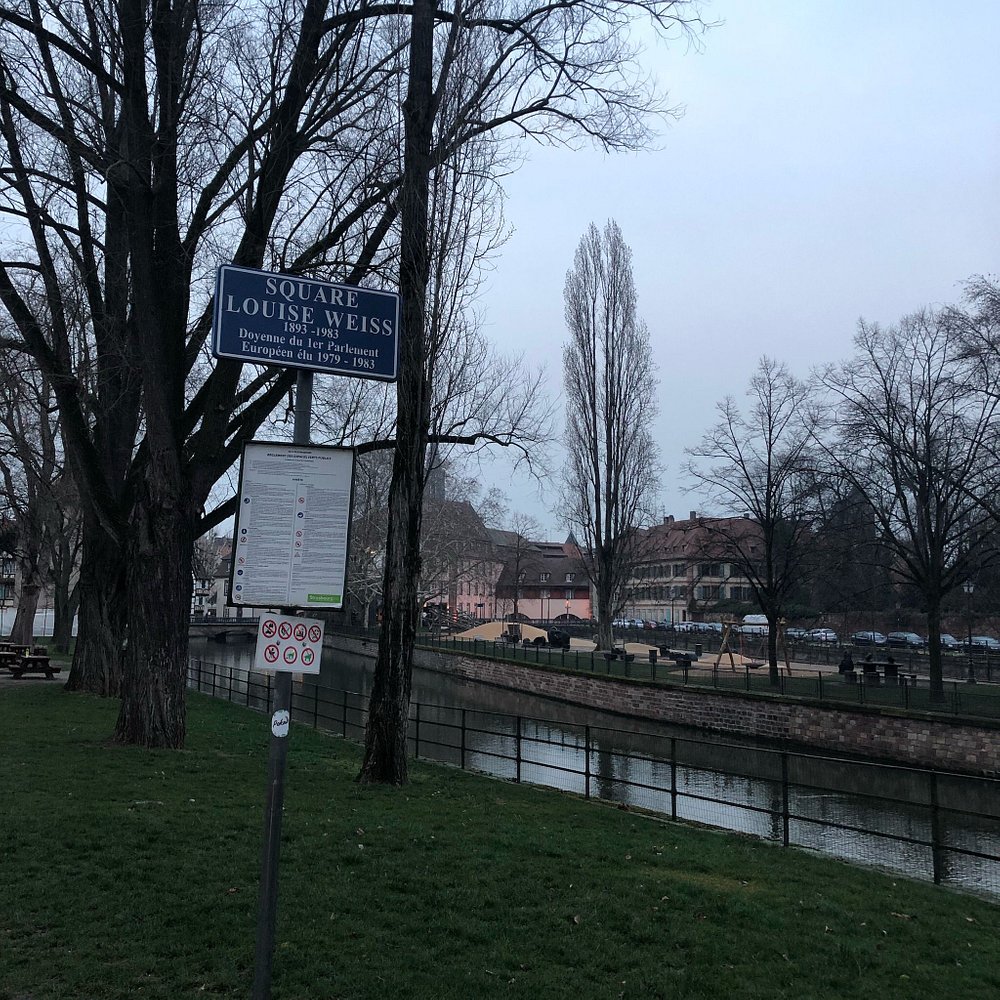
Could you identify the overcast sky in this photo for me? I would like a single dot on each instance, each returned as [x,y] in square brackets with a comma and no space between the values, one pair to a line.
[835,160]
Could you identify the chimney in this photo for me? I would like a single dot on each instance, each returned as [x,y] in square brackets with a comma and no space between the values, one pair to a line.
[693,516]
[668,519]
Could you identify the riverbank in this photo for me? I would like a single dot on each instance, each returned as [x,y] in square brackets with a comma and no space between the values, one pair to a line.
[134,873]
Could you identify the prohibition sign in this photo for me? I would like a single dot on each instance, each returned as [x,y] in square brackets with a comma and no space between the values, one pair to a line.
[307,657]
[315,633]
[299,632]
[271,653]
[284,630]
[268,629]
[290,654]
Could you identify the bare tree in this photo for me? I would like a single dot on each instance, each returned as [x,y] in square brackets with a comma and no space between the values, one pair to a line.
[32,479]
[256,149]
[519,556]
[612,472]
[914,418]
[754,466]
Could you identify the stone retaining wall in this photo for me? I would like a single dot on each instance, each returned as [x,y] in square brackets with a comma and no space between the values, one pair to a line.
[872,732]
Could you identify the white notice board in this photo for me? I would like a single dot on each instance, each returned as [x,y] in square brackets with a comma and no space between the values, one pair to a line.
[292,524]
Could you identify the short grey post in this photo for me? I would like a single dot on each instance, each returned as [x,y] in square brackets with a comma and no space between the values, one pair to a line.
[586,762]
[267,909]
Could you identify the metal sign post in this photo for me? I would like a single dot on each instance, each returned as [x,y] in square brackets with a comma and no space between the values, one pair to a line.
[281,715]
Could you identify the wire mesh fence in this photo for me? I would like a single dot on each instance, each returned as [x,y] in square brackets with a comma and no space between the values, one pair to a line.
[918,822]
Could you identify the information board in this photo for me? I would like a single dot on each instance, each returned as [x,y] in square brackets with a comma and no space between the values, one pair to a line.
[279,319]
[287,643]
[292,524]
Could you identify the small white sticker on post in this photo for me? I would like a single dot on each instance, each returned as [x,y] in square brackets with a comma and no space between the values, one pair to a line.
[279,723]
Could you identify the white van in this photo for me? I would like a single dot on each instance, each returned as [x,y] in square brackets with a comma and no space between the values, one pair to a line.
[754,625]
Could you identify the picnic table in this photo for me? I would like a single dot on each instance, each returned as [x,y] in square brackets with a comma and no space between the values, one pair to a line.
[10,652]
[679,656]
[23,660]
[875,671]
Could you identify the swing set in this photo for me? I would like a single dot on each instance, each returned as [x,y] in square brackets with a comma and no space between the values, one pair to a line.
[750,647]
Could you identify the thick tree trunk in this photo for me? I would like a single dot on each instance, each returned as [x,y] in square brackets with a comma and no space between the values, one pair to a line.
[385,759]
[773,671]
[158,584]
[64,605]
[934,649]
[23,630]
[97,657]
[605,633]
[389,707]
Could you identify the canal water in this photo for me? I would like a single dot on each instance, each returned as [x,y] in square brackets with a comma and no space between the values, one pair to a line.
[900,820]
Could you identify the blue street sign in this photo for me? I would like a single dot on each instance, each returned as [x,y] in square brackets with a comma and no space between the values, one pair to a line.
[265,318]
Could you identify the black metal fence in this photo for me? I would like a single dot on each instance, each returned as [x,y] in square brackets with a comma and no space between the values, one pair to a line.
[974,701]
[918,822]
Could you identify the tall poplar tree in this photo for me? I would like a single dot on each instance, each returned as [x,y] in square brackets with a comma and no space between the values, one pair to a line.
[611,475]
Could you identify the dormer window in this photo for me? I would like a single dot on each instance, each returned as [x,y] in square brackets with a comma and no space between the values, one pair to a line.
[543,577]
[570,577]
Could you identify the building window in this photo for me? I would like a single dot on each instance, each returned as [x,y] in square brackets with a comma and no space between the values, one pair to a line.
[680,569]
[569,594]
[570,577]
[543,577]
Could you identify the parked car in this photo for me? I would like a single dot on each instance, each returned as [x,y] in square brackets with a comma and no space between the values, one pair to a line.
[822,635]
[796,633]
[949,641]
[985,643]
[868,638]
[905,640]
[713,627]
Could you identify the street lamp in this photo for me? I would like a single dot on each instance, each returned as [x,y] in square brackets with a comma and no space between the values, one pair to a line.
[969,587]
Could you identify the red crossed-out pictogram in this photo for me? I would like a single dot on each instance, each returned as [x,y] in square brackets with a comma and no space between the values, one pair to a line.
[290,654]
[271,653]
[269,627]
[299,631]
[284,630]
[315,633]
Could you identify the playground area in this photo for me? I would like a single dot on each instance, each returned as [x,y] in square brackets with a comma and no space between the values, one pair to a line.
[737,651]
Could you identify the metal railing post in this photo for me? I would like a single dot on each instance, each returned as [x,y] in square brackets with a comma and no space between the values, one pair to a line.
[462,757]
[517,751]
[784,799]
[937,855]
[586,765]
[416,733]
[673,777]
[315,705]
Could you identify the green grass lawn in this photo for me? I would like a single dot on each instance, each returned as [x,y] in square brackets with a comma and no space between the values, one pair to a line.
[130,873]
